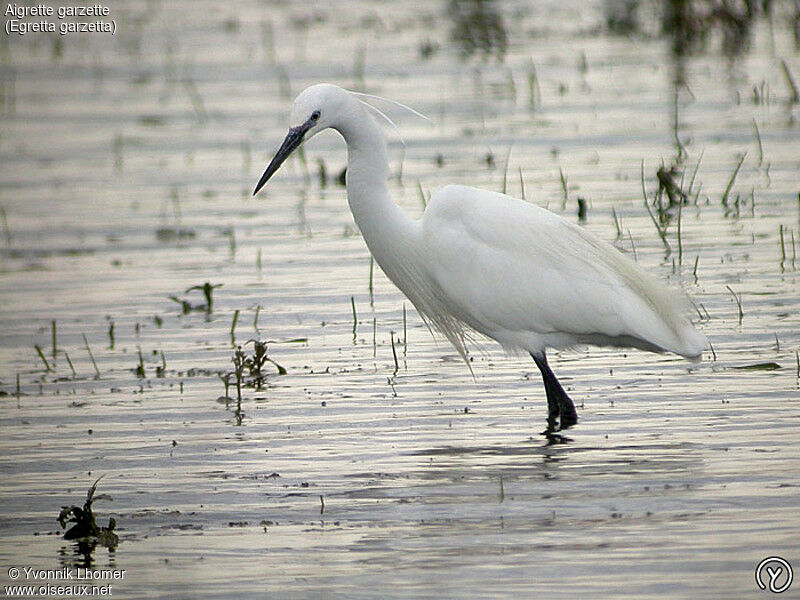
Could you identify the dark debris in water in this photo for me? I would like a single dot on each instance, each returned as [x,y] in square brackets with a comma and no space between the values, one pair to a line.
[86,526]
[208,293]
[171,234]
[764,366]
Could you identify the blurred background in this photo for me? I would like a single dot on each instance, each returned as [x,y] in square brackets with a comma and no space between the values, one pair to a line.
[134,263]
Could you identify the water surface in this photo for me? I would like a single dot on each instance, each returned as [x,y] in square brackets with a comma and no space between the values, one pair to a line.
[127,167]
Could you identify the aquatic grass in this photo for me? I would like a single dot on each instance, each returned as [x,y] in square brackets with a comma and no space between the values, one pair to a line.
[633,246]
[322,173]
[694,175]
[255,319]
[69,362]
[208,293]
[697,194]
[534,91]
[139,370]
[111,340]
[186,306]
[732,179]
[581,209]
[678,234]
[617,226]
[355,317]
[666,183]
[233,326]
[255,364]
[117,145]
[301,156]
[505,171]
[231,233]
[564,192]
[511,86]
[401,164]
[758,141]
[662,230]
[762,366]
[405,332]
[162,368]
[91,356]
[423,200]
[175,202]
[374,337]
[370,287]
[47,367]
[54,338]
[239,358]
[706,316]
[738,298]
[6,230]
[394,353]
[682,154]
[226,381]
[794,94]
[86,523]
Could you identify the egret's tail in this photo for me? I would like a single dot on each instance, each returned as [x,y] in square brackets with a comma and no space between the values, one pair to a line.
[692,343]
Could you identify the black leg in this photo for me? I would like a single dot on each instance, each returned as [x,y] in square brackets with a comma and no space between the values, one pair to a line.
[561,413]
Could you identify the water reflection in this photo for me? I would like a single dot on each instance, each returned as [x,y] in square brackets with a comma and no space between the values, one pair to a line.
[690,25]
[478,29]
[80,554]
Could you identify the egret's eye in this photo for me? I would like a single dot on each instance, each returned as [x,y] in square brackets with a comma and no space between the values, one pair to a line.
[315,115]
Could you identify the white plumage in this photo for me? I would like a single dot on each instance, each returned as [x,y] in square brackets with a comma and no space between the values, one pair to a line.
[479,261]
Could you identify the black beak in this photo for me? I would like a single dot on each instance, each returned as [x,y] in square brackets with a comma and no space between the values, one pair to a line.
[293,139]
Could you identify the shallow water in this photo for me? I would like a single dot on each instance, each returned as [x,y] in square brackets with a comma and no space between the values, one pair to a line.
[127,167]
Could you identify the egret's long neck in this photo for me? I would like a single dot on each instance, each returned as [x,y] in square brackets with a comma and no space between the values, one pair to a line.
[384,225]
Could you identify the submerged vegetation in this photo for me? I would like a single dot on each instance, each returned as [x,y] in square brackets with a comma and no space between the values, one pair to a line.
[85,526]
[676,141]
[208,293]
[248,369]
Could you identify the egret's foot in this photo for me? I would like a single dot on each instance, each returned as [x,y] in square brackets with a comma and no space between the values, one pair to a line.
[569,416]
[560,423]
[554,439]
[561,413]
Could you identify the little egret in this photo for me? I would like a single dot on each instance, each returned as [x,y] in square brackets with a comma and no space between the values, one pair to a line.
[480,261]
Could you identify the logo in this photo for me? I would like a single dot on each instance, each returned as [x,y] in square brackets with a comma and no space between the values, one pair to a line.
[774,574]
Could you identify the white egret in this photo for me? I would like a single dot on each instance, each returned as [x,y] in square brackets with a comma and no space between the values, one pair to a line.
[480,261]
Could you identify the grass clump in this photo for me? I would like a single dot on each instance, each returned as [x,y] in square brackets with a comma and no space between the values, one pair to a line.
[85,524]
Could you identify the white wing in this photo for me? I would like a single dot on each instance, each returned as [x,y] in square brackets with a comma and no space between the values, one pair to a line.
[529,279]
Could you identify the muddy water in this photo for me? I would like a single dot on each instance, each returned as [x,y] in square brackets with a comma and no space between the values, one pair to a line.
[127,166]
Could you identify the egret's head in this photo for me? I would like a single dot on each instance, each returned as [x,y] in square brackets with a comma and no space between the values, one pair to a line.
[315,109]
